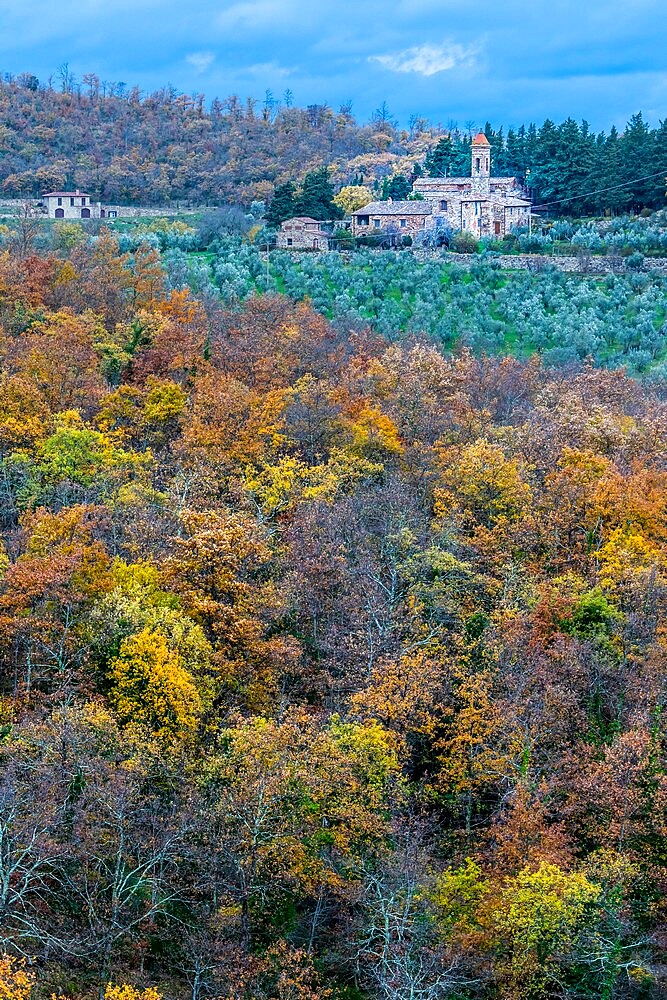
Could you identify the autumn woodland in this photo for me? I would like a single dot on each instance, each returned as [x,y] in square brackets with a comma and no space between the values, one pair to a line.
[120,144]
[333,612]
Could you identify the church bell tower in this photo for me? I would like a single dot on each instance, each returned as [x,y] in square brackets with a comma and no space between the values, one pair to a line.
[481,162]
[481,156]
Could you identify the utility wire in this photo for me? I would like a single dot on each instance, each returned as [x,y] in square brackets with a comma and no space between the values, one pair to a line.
[614,187]
[589,194]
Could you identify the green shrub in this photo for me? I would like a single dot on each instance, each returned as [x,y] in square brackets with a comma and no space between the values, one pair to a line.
[465,242]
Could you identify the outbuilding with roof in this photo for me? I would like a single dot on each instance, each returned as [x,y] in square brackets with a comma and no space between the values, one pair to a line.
[402,217]
[303,233]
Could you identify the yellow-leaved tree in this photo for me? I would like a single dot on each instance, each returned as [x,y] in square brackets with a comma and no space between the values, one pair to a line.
[530,924]
[375,435]
[15,981]
[353,197]
[479,753]
[298,807]
[483,493]
[125,992]
[218,571]
[276,488]
[152,688]
[536,922]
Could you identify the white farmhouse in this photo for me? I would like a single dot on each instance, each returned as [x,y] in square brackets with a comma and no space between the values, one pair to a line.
[70,205]
[75,205]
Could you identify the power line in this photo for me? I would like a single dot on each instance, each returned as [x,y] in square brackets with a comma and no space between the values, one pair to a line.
[614,187]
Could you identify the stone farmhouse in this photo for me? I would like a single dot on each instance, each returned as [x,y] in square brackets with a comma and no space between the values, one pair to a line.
[303,233]
[404,218]
[479,204]
[75,205]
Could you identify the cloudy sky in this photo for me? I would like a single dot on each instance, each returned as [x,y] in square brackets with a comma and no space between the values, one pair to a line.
[447,60]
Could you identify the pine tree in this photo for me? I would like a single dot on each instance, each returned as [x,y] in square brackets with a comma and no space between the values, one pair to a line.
[439,160]
[397,188]
[283,205]
[515,154]
[607,171]
[316,197]
[660,182]
[497,143]
[638,160]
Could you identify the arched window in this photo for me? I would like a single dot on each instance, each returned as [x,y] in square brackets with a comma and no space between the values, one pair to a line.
[60,213]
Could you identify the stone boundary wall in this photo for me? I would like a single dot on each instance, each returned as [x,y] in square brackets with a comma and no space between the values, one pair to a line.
[11,206]
[131,212]
[585,265]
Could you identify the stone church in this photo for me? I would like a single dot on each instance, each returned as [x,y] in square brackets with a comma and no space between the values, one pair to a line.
[480,204]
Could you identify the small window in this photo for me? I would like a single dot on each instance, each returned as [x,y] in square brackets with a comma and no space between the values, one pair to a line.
[443,206]
[402,223]
[290,241]
[363,220]
[60,201]
[477,162]
[376,223]
[83,201]
[71,201]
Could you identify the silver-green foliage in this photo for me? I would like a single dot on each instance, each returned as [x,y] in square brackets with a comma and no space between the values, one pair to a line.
[615,320]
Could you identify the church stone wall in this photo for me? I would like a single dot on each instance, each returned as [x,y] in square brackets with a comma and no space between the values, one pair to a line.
[479,204]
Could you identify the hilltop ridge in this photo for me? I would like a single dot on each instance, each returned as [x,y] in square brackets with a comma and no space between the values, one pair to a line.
[152,149]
